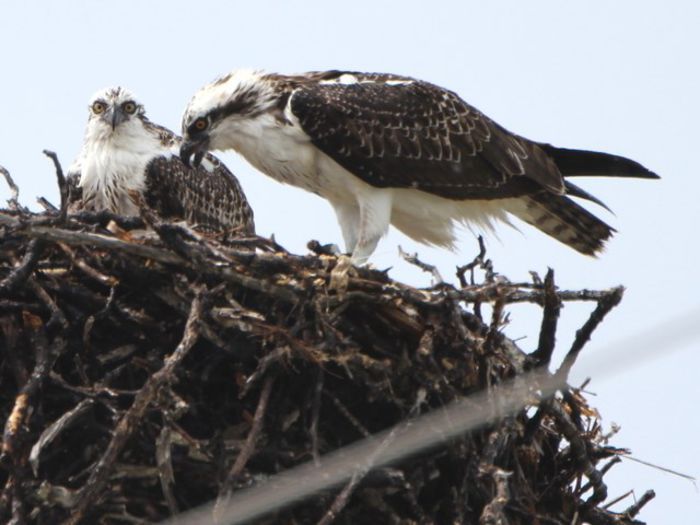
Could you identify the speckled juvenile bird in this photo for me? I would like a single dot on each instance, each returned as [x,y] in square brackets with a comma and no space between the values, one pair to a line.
[123,151]
[390,149]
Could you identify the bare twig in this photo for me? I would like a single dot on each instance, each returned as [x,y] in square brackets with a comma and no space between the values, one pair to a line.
[25,268]
[14,190]
[62,186]
[606,303]
[493,513]
[550,317]
[429,268]
[248,449]
[634,509]
[46,355]
[315,413]
[165,467]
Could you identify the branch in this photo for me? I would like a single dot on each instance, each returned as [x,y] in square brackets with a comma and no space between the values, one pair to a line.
[609,301]
[21,273]
[13,201]
[62,186]
[550,317]
[247,450]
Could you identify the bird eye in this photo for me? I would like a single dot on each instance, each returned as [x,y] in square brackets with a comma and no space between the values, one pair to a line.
[98,107]
[129,107]
[200,124]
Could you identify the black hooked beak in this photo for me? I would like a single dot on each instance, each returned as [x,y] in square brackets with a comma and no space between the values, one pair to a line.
[198,147]
[118,116]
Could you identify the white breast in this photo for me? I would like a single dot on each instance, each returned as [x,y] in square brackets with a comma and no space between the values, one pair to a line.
[113,164]
[284,152]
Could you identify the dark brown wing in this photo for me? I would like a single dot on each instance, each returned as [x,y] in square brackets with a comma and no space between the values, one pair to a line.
[212,199]
[409,133]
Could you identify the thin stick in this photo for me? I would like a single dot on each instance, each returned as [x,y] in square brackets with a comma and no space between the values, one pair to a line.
[13,201]
[247,450]
[550,318]
[21,273]
[634,509]
[583,334]
[62,186]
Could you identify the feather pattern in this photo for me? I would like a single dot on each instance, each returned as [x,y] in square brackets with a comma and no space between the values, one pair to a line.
[388,149]
[123,151]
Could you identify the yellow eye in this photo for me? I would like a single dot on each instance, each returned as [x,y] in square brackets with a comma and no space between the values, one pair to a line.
[200,124]
[98,107]
[129,107]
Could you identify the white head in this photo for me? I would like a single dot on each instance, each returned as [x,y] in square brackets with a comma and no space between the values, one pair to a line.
[215,108]
[114,111]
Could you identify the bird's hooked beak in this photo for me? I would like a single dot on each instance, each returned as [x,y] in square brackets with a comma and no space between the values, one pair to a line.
[115,117]
[197,147]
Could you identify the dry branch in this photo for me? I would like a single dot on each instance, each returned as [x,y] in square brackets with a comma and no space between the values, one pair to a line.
[113,415]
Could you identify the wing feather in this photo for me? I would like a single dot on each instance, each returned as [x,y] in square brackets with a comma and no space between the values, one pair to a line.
[211,200]
[409,133]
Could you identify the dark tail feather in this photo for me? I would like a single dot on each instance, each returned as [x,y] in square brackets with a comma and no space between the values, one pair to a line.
[563,219]
[575,191]
[574,162]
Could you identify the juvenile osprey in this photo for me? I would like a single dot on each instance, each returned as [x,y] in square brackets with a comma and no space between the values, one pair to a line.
[124,151]
[387,149]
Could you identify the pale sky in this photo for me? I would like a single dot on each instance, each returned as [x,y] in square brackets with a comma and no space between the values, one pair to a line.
[619,77]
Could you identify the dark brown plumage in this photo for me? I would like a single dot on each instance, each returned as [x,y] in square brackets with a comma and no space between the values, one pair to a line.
[399,132]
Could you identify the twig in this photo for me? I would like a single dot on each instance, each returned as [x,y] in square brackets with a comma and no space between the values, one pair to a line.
[57,315]
[429,268]
[165,467]
[354,421]
[603,470]
[315,413]
[25,268]
[51,432]
[88,270]
[493,513]
[104,217]
[634,509]
[62,186]
[550,317]
[583,334]
[100,474]
[617,500]
[658,467]
[44,203]
[247,450]
[479,260]
[13,201]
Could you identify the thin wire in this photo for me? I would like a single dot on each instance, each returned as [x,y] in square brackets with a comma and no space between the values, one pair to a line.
[431,429]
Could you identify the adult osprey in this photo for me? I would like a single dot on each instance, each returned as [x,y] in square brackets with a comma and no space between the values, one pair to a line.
[386,149]
[124,151]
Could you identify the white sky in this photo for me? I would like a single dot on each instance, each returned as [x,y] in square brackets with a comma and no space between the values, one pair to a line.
[620,77]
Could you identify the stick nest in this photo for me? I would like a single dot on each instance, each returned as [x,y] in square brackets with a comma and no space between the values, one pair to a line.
[146,371]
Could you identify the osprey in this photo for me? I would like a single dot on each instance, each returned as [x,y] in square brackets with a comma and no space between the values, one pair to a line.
[385,148]
[123,151]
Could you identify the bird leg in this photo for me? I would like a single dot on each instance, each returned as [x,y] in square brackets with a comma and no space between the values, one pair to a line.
[348,214]
[375,215]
